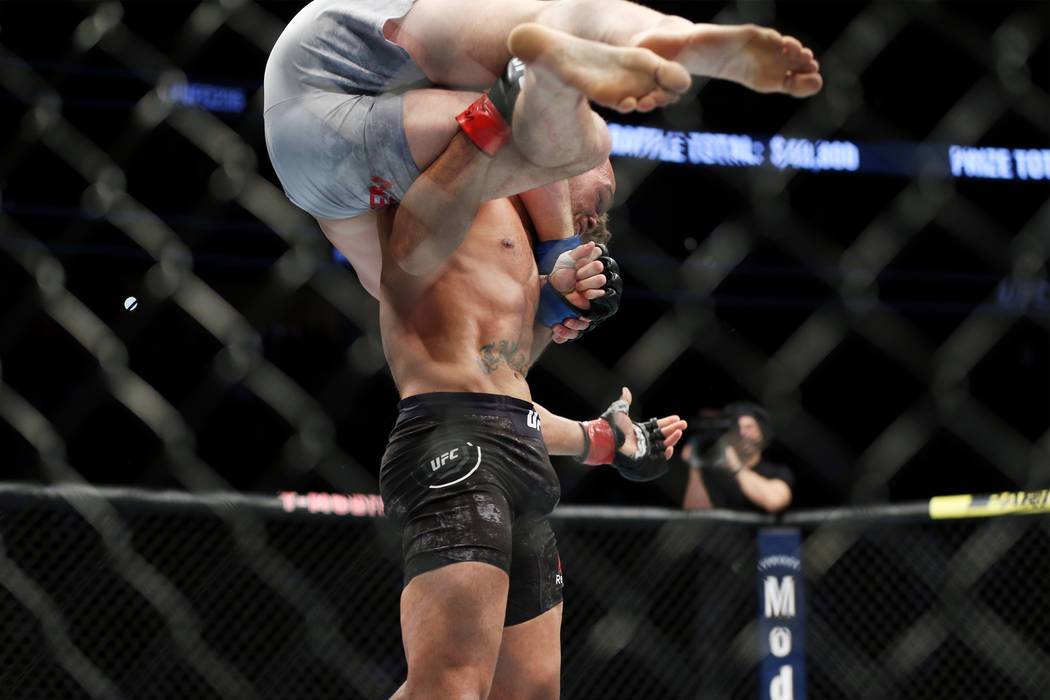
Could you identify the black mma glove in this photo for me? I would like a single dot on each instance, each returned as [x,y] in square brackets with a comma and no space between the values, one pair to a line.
[603,438]
[648,462]
[608,304]
[554,307]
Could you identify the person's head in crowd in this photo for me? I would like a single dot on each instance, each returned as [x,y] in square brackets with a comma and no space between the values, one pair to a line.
[750,431]
[730,471]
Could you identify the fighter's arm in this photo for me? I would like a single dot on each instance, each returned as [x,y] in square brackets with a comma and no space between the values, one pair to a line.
[639,451]
[550,213]
[578,281]
[480,162]
[563,436]
[439,208]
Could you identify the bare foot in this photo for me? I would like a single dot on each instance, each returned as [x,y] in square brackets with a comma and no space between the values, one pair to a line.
[625,79]
[760,58]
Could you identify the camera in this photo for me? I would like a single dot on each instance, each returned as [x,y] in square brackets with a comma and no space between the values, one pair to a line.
[705,440]
[713,429]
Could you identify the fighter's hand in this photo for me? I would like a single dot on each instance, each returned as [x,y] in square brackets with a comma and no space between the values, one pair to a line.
[604,300]
[577,275]
[583,283]
[639,451]
[569,329]
[559,304]
[667,430]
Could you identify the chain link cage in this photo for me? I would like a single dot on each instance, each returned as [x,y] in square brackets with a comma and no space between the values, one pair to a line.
[169,320]
[145,595]
[929,610]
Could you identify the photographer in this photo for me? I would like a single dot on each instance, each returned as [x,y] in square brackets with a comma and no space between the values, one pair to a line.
[728,470]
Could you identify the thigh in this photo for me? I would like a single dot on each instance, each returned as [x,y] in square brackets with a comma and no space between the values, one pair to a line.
[460,45]
[535,571]
[529,664]
[429,120]
[339,155]
[452,624]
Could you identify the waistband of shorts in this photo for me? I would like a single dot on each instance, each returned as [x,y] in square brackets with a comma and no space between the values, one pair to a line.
[451,403]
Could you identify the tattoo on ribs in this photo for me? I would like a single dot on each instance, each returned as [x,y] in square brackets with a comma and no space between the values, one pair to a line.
[491,355]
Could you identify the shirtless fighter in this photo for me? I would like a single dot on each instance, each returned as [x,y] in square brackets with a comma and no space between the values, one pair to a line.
[466,473]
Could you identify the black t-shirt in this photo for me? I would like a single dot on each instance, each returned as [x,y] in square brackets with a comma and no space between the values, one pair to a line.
[724,489]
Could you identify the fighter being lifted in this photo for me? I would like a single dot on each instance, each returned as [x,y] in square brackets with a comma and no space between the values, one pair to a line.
[358,105]
[417,200]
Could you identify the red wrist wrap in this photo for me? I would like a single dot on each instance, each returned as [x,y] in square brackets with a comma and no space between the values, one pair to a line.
[484,125]
[602,443]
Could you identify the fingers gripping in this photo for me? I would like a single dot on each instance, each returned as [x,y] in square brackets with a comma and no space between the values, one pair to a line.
[609,303]
[555,256]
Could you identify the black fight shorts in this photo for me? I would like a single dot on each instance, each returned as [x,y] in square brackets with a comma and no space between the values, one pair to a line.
[467,478]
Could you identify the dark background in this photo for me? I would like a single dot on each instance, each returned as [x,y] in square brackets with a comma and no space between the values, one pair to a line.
[896,327]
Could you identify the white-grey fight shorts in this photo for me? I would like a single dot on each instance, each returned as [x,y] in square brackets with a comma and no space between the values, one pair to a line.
[333,108]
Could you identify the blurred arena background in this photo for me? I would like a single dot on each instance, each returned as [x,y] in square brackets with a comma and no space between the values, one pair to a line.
[168,320]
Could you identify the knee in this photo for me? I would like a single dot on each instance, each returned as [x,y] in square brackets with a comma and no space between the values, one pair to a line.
[598,145]
[542,683]
[545,685]
[465,683]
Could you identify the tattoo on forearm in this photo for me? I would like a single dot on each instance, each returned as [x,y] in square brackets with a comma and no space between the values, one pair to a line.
[502,351]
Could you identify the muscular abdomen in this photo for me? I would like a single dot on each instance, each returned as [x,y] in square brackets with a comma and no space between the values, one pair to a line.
[469,328]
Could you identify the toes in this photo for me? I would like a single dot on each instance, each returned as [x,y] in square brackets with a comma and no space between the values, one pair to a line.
[672,76]
[664,97]
[646,104]
[627,104]
[792,45]
[803,84]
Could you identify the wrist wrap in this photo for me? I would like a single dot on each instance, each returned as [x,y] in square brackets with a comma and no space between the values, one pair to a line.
[553,308]
[599,441]
[547,252]
[487,121]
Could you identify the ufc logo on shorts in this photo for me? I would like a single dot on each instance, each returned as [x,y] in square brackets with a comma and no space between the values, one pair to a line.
[443,459]
[533,420]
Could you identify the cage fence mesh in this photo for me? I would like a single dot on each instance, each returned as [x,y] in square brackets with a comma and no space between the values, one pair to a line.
[114,186]
[203,601]
[253,362]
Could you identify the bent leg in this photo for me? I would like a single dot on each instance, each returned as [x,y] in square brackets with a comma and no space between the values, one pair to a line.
[759,58]
[556,135]
[756,57]
[529,666]
[452,626]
